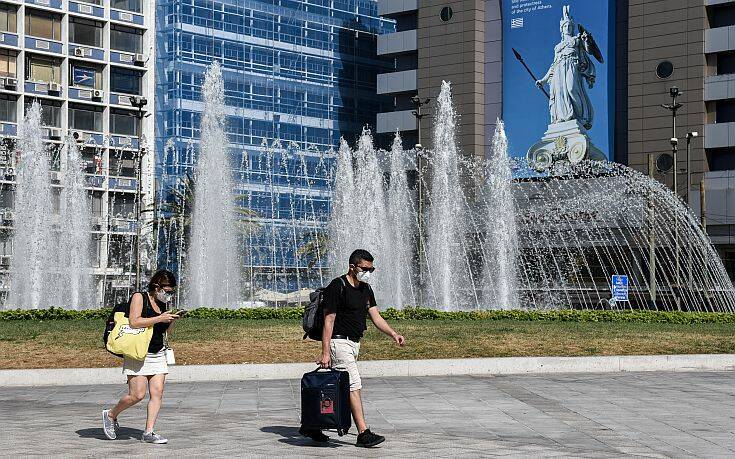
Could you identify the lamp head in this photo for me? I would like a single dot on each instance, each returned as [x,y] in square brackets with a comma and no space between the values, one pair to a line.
[674,91]
[674,141]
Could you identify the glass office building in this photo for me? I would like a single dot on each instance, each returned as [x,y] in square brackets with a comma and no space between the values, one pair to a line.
[298,76]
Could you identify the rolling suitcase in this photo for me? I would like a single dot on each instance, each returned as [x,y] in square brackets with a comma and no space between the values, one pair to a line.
[325,400]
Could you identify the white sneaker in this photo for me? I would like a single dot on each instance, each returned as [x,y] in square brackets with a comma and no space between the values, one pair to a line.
[152,437]
[108,425]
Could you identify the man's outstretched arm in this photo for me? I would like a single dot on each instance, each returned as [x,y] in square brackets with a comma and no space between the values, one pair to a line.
[383,326]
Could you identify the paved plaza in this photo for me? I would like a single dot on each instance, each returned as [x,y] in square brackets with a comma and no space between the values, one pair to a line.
[579,415]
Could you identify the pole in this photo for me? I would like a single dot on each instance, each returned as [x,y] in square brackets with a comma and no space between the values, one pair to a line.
[651,239]
[530,72]
[689,167]
[139,200]
[703,205]
[674,107]
[419,103]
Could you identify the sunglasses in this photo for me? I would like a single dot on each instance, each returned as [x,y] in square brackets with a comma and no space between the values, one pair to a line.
[362,268]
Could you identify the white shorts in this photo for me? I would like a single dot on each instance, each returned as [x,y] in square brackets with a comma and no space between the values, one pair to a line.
[154,364]
[343,353]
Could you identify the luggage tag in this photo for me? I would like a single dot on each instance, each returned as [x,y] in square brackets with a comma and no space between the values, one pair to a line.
[326,405]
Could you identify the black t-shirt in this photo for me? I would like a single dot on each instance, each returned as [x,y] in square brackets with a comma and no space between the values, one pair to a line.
[160,328]
[350,304]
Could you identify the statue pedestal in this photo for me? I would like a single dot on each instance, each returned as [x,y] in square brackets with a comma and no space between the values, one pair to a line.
[563,142]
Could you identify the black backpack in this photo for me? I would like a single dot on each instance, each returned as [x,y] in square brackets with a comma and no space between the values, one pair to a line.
[313,319]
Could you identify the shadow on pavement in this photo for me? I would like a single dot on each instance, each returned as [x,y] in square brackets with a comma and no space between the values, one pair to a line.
[125,433]
[292,436]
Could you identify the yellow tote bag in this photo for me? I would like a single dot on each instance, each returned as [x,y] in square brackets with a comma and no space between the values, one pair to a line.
[128,341]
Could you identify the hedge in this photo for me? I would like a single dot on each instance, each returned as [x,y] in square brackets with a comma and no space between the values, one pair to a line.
[294,313]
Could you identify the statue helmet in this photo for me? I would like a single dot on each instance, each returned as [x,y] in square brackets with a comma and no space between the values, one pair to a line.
[566,19]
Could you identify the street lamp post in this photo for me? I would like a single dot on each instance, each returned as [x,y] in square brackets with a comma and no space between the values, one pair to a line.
[689,137]
[419,103]
[674,107]
[139,103]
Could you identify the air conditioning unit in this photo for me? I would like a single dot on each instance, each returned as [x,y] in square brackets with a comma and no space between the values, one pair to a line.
[79,52]
[11,83]
[54,134]
[80,136]
[54,87]
[139,59]
[98,94]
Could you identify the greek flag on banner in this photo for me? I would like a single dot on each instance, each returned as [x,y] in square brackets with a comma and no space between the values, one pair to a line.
[516,23]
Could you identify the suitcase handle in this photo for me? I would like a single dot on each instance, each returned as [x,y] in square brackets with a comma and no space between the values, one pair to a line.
[320,368]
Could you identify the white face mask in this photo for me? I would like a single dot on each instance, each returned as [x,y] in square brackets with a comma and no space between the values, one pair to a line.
[363,276]
[164,296]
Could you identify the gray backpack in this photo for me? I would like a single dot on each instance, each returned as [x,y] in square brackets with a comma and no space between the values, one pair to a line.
[313,319]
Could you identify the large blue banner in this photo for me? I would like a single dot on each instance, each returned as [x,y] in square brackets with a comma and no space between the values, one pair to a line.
[569,45]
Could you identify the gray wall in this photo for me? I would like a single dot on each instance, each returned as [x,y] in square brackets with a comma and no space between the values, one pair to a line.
[493,67]
[455,51]
[665,30]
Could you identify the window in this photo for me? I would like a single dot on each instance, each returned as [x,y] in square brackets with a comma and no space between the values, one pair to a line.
[43,25]
[136,6]
[721,159]
[123,164]
[8,19]
[126,39]
[85,32]
[50,112]
[725,63]
[123,123]
[92,159]
[7,63]
[125,81]
[7,109]
[85,118]
[723,16]
[725,111]
[85,76]
[42,69]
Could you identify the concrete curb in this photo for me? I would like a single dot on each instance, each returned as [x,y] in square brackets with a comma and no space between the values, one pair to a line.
[386,368]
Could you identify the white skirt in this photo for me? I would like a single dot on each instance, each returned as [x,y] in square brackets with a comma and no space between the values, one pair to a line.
[154,364]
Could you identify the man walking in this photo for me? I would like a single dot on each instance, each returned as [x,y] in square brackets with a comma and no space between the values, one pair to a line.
[348,300]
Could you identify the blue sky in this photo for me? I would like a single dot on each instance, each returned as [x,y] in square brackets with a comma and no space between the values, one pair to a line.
[525,108]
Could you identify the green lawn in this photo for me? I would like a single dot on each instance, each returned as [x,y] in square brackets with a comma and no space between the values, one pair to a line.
[78,343]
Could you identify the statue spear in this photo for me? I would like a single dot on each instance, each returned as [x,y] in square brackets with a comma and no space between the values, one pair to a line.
[520,59]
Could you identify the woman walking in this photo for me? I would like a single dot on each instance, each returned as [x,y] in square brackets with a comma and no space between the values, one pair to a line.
[146,309]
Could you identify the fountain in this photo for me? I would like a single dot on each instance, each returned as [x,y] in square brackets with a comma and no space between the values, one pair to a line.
[501,246]
[492,234]
[32,277]
[401,281]
[500,235]
[451,285]
[214,266]
[75,225]
[51,251]
[342,238]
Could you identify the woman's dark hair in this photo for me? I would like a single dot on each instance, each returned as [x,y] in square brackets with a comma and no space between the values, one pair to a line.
[360,254]
[161,278]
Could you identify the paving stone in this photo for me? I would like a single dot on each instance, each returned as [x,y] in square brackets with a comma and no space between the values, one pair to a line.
[579,415]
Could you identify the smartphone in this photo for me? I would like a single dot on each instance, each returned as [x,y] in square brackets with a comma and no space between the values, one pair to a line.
[180,312]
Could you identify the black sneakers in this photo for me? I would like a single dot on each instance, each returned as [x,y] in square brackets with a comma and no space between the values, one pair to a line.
[368,439]
[315,435]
